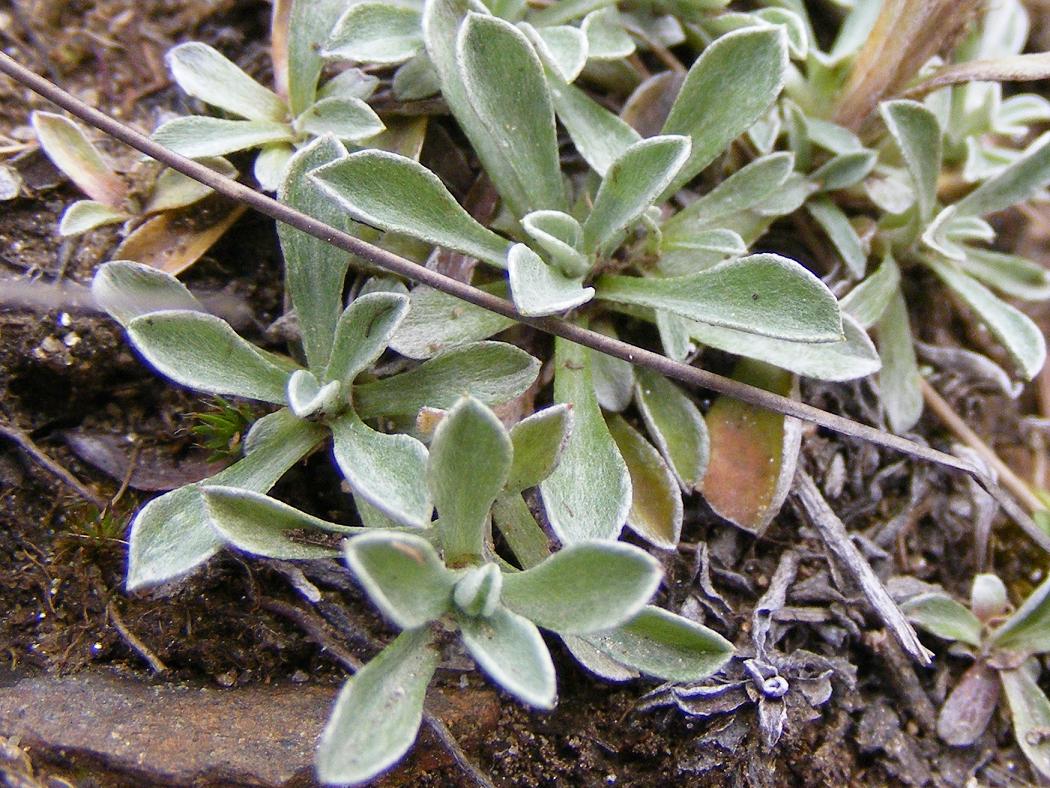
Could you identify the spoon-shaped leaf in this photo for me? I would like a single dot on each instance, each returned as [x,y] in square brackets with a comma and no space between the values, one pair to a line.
[204,73]
[511,651]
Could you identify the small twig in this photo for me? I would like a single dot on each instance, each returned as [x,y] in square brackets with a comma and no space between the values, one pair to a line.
[837,540]
[133,641]
[25,443]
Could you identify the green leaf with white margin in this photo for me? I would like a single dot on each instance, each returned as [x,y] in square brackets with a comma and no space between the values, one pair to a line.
[656,501]
[171,535]
[511,651]
[378,712]
[437,321]
[85,215]
[899,377]
[310,23]
[403,576]
[630,186]
[503,77]
[599,135]
[867,302]
[202,352]
[765,294]
[204,73]
[493,372]
[562,48]
[257,524]
[387,471]
[1017,183]
[606,38]
[561,237]
[1027,631]
[538,443]
[589,493]
[660,643]
[377,33]
[840,232]
[540,289]
[943,616]
[1030,713]
[585,587]
[69,149]
[198,137]
[314,270]
[918,135]
[676,426]
[470,459]
[363,332]
[1022,338]
[1015,276]
[347,118]
[126,290]
[397,194]
[729,87]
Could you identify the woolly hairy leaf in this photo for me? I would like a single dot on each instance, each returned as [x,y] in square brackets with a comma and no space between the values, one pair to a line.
[402,575]
[943,616]
[918,135]
[363,332]
[511,651]
[198,137]
[540,289]
[70,150]
[899,377]
[398,194]
[437,321]
[676,426]
[204,73]
[127,290]
[388,695]
[538,443]
[493,372]
[376,33]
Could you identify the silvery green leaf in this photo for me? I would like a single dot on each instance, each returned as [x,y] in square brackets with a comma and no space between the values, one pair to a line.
[765,294]
[204,73]
[307,397]
[271,164]
[198,137]
[363,332]
[729,87]
[503,78]
[172,534]
[744,189]
[687,250]
[562,48]
[309,25]
[918,135]
[541,289]
[855,357]
[1017,183]
[470,459]
[260,525]
[631,184]
[840,232]
[599,135]
[493,372]
[1030,713]
[416,79]
[589,493]
[943,616]
[314,270]
[352,83]
[437,321]
[346,118]
[867,302]
[660,643]
[478,592]
[988,597]
[402,575]
[85,215]
[202,352]
[844,170]
[1023,340]
[676,426]
[387,471]
[656,502]
[613,377]
[899,376]
[538,443]
[606,38]
[561,237]
[397,194]
[376,33]
[387,696]
[511,651]
[969,707]
[127,290]
[1027,631]
[584,587]
[1014,276]
[69,149]
[173,190]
